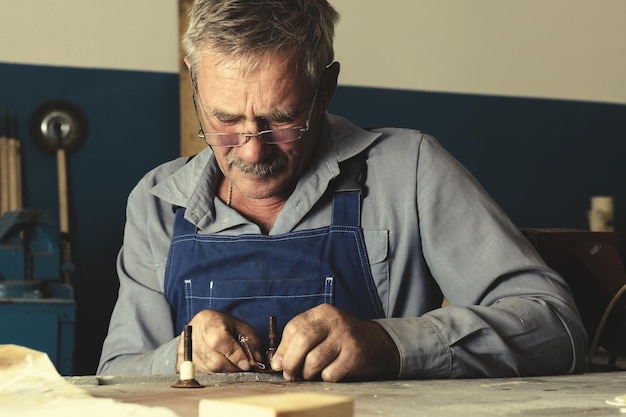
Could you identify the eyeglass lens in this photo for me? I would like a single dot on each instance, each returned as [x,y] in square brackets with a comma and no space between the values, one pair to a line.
[289,134]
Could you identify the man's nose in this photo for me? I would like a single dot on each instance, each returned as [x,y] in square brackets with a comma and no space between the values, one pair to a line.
[254,149]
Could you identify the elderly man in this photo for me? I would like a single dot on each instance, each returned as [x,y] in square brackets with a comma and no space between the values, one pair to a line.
[350,238]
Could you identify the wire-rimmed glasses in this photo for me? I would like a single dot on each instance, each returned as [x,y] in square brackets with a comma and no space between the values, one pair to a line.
[270,137]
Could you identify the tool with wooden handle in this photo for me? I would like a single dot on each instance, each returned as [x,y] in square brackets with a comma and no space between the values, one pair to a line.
[59,127]
[4,161]
[14,163]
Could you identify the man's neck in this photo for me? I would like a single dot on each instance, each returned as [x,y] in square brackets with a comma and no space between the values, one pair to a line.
[261,211]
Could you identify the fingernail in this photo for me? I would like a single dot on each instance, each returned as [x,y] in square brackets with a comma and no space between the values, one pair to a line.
[277,363]
[243,365]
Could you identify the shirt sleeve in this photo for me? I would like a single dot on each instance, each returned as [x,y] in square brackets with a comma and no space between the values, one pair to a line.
[141,337]
[507,313]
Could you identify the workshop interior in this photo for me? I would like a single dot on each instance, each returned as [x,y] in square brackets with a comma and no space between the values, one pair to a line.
[85,116]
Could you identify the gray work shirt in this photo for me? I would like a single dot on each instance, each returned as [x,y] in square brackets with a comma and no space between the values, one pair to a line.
[431,231]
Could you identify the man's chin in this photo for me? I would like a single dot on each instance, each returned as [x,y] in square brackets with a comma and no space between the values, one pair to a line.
[263,190]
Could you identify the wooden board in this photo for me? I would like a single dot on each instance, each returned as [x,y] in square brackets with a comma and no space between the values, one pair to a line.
[555,396]
[294,404]
[190,144]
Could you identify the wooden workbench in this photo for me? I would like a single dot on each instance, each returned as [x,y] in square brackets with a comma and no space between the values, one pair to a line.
[554,396]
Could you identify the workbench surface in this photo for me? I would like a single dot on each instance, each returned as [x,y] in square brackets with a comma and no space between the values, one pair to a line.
[555,396]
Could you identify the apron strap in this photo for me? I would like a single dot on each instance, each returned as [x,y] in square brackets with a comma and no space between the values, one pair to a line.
[352,176]
[182,226]
[346,208]
[349,191]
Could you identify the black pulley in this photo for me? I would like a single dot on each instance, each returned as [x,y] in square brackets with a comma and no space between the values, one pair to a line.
[58,125]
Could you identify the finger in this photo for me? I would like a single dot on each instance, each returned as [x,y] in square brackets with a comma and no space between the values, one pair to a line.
[319,359]
[240,356]
[207,360]
[305,337]
[368,353]
[277,360]
[216,348]
[252,352]
[294,341]
[285,340]
[215,362]
[338,369]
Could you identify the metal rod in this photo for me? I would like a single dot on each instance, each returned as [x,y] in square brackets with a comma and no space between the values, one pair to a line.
[187,343]
[271,349]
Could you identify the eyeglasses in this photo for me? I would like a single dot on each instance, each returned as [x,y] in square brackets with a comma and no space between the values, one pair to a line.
[270,137]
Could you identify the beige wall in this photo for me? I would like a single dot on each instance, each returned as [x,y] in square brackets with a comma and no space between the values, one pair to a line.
[571,49]
[114,34]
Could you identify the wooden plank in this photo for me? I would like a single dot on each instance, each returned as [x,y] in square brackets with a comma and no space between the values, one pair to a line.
[309,404]
[190,144]
[555,396]
[4,175]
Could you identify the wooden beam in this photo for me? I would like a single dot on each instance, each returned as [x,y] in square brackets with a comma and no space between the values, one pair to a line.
[190,144]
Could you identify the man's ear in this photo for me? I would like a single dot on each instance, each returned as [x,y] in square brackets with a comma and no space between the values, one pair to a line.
[329,83]
[191,77]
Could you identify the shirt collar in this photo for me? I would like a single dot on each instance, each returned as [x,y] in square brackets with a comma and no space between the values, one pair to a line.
[194,185]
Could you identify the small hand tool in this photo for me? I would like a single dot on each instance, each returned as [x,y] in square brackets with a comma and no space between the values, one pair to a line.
[243,341]
[187,377]
[271,347]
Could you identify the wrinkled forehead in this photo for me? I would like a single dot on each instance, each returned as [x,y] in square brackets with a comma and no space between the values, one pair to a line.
[231,85]
[249,63]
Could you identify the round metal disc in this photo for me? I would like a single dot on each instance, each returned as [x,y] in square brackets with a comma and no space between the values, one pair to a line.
[58,125]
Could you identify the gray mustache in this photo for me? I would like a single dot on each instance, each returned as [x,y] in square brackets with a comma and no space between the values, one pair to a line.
[271,166]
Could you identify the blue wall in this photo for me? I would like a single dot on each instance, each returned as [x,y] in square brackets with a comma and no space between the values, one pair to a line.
[540,159]
[133,125]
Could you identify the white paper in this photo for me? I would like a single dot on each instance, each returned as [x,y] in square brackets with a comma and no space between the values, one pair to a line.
[30,386]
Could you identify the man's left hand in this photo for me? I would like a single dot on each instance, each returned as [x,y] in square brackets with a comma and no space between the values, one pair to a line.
[324,341]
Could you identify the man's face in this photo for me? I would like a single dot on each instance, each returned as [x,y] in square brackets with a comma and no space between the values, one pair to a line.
[274,95]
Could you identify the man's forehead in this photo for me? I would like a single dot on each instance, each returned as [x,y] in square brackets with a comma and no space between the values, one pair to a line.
[272,82]
[246,65]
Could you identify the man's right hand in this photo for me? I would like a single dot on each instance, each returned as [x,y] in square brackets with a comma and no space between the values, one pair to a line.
[215,345]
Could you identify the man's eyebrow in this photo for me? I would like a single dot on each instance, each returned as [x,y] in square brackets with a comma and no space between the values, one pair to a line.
[223,115]
[274,116]
[281,115]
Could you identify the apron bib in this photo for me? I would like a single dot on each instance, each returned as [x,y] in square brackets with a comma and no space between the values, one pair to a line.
[254,276]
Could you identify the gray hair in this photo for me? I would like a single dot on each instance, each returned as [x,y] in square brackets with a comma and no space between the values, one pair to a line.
[249,29]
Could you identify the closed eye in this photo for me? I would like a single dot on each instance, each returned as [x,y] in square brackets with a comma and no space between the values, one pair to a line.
[278,118]
[226,119]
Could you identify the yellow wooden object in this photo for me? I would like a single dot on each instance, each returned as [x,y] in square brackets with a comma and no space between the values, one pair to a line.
[295,404]
[190,143]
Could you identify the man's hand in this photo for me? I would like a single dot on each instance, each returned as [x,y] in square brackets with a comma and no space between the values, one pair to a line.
[326,342]
[215,345]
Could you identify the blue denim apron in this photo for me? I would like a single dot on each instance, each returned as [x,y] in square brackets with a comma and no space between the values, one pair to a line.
[254,276]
